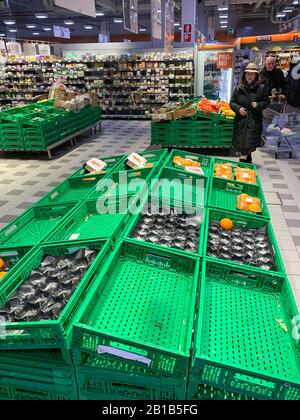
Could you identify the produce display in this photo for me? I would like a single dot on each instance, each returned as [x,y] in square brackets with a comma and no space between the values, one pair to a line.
[240,245]
[45,293]
[172,230]
[5,266]
[188,165]
[247,203]
[225,170]
[245,175]
[208,106]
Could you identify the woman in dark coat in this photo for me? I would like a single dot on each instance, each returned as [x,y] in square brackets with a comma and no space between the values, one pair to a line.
[248,101]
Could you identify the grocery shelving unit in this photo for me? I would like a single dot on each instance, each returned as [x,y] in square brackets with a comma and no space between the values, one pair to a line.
[128,86]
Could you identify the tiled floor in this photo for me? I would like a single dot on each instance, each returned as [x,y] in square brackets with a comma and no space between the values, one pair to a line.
[24,181]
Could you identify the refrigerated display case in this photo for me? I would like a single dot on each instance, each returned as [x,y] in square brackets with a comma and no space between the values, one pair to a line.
[211,81]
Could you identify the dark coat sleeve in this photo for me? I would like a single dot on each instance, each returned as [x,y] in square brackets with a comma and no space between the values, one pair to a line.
[263,98]
[283,83]
[234,102]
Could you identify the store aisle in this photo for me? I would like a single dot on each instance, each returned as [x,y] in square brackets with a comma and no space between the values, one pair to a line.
[23,182]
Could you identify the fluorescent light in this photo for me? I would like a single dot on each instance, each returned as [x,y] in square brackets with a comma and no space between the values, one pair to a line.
[223,26]
[223,8]
[280,15]
[118,20]
[9,22]
[35,33]
[223,16]
[88,27]
[31,26]
[2,35]
[288,10]
[99,14]
[13,30]
[223,22]
[69,22]
[41,15]
[176,24]
[143,29]
[180,28]
[47,29]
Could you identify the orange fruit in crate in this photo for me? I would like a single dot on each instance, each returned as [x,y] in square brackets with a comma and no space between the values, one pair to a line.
[255,207]
[226,224]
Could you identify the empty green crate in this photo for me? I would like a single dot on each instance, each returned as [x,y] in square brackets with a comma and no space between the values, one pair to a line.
[72,189]
[122,184]
[140,313]
[248,222]
[162,133]
[95,384]
[112,164]
[205,161]
[174,184]
[88,221]
[42,392]
[33,226]
[224,195]
[49,334]
[246,338]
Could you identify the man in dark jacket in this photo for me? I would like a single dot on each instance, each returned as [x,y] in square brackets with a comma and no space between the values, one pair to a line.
[273,77]
[248,101]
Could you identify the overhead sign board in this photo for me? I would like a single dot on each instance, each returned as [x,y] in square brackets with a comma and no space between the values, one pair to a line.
[86,7]
[225,60]
[61,32]
[264,38]
[156,18]
[130,15]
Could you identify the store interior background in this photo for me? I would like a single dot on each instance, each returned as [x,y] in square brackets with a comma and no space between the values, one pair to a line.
[35,175]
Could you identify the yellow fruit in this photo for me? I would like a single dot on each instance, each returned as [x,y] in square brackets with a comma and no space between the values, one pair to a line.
[255,207]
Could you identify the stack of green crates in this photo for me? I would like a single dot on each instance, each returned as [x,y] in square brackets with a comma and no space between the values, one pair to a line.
[36,127]
[149,321]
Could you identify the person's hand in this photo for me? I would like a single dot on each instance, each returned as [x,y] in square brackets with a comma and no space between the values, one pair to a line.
[282,97]
[254,105]
[243,112]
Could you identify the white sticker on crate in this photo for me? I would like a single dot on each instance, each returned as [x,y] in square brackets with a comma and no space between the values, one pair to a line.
[123,354]
[74,236]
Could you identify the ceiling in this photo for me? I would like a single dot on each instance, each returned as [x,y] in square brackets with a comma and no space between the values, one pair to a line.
[23,12]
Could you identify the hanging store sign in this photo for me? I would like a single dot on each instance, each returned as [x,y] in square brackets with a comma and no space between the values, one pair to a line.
[130,16]
[14,48]
[29,49]
[86,7]
[225,60]
[264,38]
[156,19]
[169,25]
[44,49]
[61,32]
[187,32]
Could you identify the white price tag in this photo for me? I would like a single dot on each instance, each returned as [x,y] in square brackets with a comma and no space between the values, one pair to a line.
[249,200]
[74,237]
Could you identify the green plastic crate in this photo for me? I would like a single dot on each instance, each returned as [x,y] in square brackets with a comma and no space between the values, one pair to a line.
[237,164]
[95,384]
[244,334]
[37,392]
[156,157]
[162,133]
[49,334]
[224,195]
[29,369]
[140,312]
[13,256]
[205,161]
[249,222]
[33,226]
[209,393]
[174,184]
[71,190]
[111,161]
[86,222]
[158,202]
[118,185]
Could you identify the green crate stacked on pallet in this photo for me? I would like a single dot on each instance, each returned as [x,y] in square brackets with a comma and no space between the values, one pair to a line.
[224,137]
[96,114]
[246,339]
[204,133]
[36,375]
[81,119]
[34,225]
[162,132]
[49,333]
[41,131]
[138,322]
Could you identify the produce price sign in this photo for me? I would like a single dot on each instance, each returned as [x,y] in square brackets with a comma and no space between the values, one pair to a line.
[225,60]
[156,18]
[169,25]
[130,15]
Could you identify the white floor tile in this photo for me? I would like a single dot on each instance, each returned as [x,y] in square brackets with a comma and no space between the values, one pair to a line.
[292,268]
[291,256]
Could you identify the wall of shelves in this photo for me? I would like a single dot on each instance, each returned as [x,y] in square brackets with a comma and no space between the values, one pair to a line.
[128,85]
